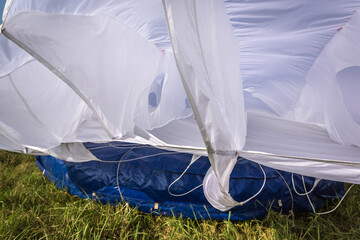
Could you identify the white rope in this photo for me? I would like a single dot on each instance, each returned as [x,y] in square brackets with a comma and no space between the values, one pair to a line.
[316,182]
[194,158]
[262,187]
[192,161]
[117,173]
[330,211]
[138,158]
[109,145]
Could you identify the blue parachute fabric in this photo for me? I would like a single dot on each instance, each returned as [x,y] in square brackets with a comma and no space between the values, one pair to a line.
[144,173]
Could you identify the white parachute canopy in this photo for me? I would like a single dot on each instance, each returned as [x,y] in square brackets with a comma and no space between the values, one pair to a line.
[275,83]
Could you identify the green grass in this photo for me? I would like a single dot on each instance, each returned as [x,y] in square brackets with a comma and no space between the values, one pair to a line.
[32,207]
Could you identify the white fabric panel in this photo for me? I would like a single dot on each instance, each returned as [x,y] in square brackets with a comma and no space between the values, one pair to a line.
[147,19]
[282,144]
[183,132]
[57,108]
[301,148]
[11,56]
[72,152]
[89,129]
[46,99]
[331,96]
[349,86]
[167,89]
[301,140]
[208,62]
[7,144]
[56,105]
[279,42]
[50,99]
[144,16]
[111,72]
[19,121]
[322,170]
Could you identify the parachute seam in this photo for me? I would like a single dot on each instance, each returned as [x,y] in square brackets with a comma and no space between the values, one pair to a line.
[9,135]
[194,108]
[186,88]
[30,111]
[58,74]
[23,64]
[338,162]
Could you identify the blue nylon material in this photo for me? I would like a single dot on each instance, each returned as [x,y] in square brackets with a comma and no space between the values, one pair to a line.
[144,181]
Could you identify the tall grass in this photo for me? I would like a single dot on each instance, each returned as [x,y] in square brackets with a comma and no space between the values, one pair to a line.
[32,207]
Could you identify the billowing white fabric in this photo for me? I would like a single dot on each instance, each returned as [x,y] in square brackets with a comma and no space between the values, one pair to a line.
[333,84]
[118,60]
[301,148]
[11,57]
[105,70]
[38,110]
[131,56]
[279,43]
[208,62]
[164,104]
[18,122]
[7,143]
[59,112]
[145,17]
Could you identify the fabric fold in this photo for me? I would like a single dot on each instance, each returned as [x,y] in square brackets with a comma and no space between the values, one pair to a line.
[206,52]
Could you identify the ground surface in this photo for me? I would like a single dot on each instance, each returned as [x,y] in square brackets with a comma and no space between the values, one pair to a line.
[32,207]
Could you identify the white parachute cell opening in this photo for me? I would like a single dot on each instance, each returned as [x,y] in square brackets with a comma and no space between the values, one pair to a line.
[349,83]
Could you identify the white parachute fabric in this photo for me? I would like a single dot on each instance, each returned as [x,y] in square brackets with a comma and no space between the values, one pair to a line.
[72,41]
[301,148]
[38,110]
[331,96]
[167,98]
[41,114]
[8,144]
[122,40]
[113,76]
[280,47]
[207,56]
[16,112]
[145,17]
[279,44]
